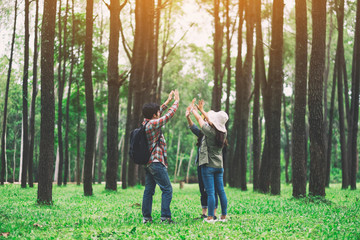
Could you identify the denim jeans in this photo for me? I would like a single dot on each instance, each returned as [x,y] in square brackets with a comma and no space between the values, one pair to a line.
[203,194]
[156,173]
[213,179]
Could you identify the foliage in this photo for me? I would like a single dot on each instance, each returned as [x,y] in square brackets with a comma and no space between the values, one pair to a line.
[117,215]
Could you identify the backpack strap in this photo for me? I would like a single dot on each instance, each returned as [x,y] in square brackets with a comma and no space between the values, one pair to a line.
[157,142]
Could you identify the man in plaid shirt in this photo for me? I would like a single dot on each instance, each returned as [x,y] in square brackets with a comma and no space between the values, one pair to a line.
[156,169]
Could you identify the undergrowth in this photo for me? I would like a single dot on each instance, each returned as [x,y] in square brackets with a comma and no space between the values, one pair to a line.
[117,215]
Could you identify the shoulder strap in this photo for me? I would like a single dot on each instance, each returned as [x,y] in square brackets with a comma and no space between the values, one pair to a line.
[157,142]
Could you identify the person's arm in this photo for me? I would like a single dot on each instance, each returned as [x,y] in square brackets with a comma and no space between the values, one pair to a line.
[200,106]
[164,106]
[158,123]
[198,117]
[194,129]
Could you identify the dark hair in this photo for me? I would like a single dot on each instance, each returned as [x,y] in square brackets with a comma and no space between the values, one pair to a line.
[219,138]
[149,109]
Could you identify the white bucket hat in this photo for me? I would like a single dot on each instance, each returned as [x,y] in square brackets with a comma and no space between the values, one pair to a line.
[218,119]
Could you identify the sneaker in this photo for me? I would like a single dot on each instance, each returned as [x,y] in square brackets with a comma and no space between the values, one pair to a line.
[167,220]
[215,218]
[210,220]
[223,219]
[203,216]
[147,220]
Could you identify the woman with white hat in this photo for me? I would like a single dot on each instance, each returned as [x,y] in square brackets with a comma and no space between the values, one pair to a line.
[211,159]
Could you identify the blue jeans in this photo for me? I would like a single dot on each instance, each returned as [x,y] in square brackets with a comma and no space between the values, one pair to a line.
[204,196]
[156,173]
[213,179]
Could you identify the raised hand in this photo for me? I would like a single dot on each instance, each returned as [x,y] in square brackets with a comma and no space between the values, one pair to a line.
[171,95]
[187,112]
[192,104]
[200,106]
[176,95]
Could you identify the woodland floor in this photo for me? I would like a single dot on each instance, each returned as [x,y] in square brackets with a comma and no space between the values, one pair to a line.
[117,215]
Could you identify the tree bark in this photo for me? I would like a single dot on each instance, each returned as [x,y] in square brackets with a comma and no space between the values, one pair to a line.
[101,146]
[46,160]
[218,43]
[90,114]
[137,79]
[3,150]
[276,76]
[259,78]
[78,179]
[34,93]
[287,143]
[316,75]
[189,164]
[243,97]
[354,109]
[113,98]
[177,157]
[339,53]
[60,97]
[234,180]
[14,159]
[298,153]
[67,160]
[25,98]
[331,119]
[326,80]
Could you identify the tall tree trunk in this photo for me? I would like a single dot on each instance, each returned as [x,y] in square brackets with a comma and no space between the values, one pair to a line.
[316,75]
[177,157]
[124,166]
[189,164]
[235,162]
[101,145]
[56,172]
[78,179]
[156,51]
[259,78]
[90,114]
[151,61]
[354,109]
[243,99]
[339,52]
[21,152]
[137,78]
[14,159]
[3,150]
[331,119]
[287,143]
[60,97]
[265,173]
[276,76]
[67,165]
[218,42]
[25,98]
[326,80]
[96,148]
[46,160]
[34,93]
[113,98]
[228,82]
[62,79]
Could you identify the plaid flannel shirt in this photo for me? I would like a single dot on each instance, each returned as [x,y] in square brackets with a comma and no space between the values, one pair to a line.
[153,132]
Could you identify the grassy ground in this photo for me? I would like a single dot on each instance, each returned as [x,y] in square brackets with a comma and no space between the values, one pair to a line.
[117,215]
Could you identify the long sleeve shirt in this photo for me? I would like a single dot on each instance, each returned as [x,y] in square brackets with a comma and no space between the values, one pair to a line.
[197,132]
[153,133]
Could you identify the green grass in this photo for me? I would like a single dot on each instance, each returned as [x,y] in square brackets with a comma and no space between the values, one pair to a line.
[117,215]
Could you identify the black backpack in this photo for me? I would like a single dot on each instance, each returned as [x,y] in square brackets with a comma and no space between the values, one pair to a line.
[139,146]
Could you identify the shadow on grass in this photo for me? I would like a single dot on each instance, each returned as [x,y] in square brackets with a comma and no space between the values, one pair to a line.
[313,199]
